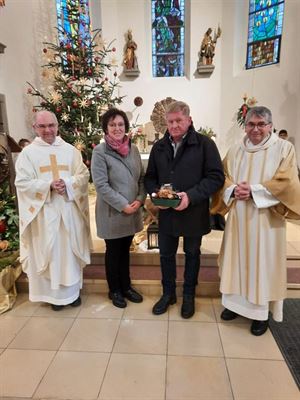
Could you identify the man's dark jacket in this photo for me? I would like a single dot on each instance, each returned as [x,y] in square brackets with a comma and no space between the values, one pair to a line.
[197,170]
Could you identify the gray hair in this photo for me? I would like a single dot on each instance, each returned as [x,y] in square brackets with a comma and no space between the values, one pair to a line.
[177,106]
[36,114]
[259,111]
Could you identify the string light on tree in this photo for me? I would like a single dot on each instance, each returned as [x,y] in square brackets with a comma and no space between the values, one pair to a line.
[84,81]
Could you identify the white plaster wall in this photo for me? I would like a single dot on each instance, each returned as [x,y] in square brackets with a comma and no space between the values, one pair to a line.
[24,24]
[202,94]
[275,86]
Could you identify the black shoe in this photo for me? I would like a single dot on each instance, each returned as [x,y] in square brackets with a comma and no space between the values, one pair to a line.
[258,328]
[188,306]
[132,295]
[56,307]
[117,299]
[163,304]
[76,303]
[228,315]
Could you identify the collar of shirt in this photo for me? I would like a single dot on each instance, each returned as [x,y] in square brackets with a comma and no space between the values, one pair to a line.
[176,145]
[251,145]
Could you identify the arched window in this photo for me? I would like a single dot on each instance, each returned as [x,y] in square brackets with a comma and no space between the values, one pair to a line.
[264,32]
[168,37]
[73,20]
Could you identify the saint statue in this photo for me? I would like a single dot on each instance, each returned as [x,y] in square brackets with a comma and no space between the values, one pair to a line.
[207,50]
[130,60]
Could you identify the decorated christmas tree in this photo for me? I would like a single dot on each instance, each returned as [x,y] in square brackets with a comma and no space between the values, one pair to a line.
[80,77]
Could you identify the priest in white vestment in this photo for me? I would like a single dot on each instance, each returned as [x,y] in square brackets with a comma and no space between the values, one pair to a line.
[261,190]
[52,188]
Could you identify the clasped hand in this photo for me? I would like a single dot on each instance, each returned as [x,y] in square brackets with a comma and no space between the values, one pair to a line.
[133,207]
[59,186]
[242,191]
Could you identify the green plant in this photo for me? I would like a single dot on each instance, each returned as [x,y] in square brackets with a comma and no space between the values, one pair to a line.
[9,219]
[206,132]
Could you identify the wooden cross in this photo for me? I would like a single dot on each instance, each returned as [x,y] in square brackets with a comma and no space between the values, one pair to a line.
[54,167]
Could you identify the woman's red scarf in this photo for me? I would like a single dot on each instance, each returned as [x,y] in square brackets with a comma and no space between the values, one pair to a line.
[120,146]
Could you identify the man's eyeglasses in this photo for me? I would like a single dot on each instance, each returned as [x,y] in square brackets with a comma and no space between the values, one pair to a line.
[45,126]
[259,125]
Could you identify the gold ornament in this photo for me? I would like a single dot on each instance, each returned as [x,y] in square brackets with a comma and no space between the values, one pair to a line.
[158,116]
[84,103]
[79,145]
[65,117]
[55,97]
[4,245]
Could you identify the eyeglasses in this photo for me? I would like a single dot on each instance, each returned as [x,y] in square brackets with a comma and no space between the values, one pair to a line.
[259,125]
[120,125]
[43,126]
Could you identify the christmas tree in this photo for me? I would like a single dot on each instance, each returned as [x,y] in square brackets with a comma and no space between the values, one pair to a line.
[81,79]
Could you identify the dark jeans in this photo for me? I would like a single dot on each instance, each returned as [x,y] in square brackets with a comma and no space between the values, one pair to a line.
[117,263]
[168,247]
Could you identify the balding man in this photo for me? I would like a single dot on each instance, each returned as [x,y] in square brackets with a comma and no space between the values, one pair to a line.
[51,182]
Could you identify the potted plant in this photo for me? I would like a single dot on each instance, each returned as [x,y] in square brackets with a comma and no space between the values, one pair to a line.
[10,268]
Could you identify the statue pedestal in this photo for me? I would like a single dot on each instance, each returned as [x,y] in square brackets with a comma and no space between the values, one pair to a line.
[131,72]
[204,69]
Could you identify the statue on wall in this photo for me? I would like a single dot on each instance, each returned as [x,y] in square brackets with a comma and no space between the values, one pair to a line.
[207,50]
[130,60]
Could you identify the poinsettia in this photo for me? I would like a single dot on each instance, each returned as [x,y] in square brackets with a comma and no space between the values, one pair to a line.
[244,108]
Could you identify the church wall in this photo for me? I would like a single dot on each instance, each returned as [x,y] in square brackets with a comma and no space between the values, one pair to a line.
[15,64]
[24,25]
[201,93]
[275,86]
[214,100]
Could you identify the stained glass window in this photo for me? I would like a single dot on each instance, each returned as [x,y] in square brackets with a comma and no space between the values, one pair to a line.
[264,32]
[168,37]
[73,20]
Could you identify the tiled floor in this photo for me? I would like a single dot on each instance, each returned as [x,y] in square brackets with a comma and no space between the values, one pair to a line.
[99,351]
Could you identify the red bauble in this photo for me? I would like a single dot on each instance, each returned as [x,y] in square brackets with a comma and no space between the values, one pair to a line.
[113,49]
[3,226]
[75,104]
[58,109]
[89,71]
[45,50]
[93,145]
[138,101]
[29,91]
